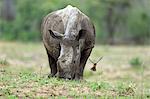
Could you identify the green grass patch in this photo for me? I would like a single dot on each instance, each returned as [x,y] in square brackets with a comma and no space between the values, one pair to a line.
[4,62]
[30,85]
[135,62]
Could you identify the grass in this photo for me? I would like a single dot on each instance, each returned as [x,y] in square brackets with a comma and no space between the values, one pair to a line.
[27,84]
[24,69]
[4,62]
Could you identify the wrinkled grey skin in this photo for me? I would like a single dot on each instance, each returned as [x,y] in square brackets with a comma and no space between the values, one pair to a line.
[68,36]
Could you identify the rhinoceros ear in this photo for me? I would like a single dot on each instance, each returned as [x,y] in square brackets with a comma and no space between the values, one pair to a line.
[55,34]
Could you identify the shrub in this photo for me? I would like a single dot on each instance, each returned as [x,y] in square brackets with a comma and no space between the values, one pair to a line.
[135,62]
[4,62]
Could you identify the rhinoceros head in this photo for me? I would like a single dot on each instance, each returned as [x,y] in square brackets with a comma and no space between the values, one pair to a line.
[69,58]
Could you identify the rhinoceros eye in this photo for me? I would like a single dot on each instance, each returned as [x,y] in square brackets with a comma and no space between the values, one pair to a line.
[74,62]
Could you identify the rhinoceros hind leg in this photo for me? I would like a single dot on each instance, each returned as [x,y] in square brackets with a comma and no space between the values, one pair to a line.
[52,64]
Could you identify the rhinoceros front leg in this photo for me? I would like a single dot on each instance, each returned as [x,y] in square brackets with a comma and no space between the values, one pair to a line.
[52,64]
[84,56]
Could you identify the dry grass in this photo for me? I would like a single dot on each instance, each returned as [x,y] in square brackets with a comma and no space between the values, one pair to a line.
[115,77]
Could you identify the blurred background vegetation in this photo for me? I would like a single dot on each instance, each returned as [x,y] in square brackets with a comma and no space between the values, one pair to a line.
[116,21]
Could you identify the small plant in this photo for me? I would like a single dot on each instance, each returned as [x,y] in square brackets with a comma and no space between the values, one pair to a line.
[135,62]
[4,62]
[100,85]
[126,89]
